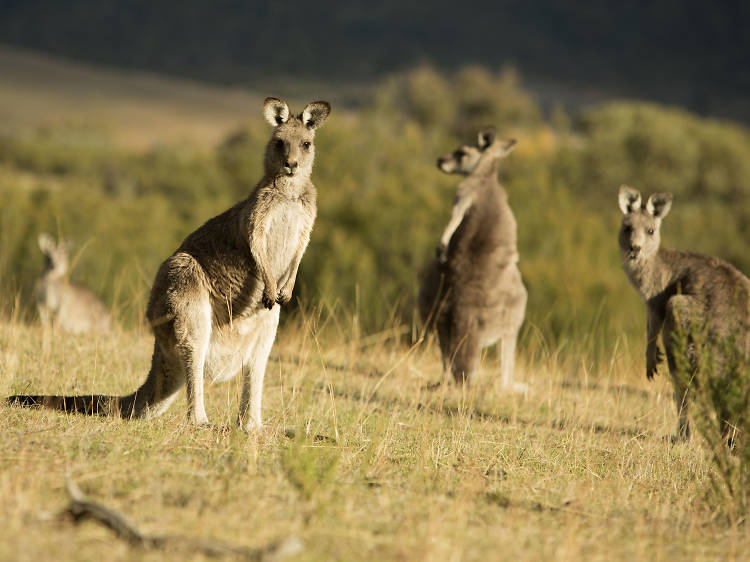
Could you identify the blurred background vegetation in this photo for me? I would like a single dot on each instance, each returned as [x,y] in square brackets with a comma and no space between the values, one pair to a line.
[383,203]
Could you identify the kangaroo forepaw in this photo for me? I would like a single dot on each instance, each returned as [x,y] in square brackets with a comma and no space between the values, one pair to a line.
[441,253]
[659,356]
[652,362]
[283,298]
[268,301]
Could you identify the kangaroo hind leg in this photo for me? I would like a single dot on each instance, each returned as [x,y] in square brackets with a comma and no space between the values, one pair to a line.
[465,350]
[192,333]
[507,365]
[254,369]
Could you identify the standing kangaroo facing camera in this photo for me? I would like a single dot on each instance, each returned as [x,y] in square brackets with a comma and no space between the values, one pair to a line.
[214,306]
[62,303]
[682,291]
[473,289]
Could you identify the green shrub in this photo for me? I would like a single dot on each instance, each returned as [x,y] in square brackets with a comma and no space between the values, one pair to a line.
[716,374]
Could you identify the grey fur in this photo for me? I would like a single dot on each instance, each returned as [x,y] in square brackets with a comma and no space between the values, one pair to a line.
[473,290]
[214,305]
[61,303]
[679,288]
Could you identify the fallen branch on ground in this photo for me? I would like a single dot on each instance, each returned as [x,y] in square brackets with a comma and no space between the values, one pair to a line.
[81,509]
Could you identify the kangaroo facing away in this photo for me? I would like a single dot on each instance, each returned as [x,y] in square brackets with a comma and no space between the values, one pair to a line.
[214,305]
[61,303]
[680,289]
[472,290]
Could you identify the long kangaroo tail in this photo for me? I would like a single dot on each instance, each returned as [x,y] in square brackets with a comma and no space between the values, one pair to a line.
[151,398]
[91,405]
[432,294]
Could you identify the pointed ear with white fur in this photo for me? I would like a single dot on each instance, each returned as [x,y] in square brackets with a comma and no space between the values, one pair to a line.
[66,246]
[315,113]
[508,146]
[658,204]
[275,111]
[629,199]
[46,243]
[486,137]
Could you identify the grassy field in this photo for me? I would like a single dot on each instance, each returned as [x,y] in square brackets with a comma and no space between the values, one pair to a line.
[357,459]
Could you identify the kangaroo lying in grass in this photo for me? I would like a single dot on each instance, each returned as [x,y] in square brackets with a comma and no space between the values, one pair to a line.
[682,290]
[214,306]
[473,289]
[61,303]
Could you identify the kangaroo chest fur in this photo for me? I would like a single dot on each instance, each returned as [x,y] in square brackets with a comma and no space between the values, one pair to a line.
[288,222]
[484,244]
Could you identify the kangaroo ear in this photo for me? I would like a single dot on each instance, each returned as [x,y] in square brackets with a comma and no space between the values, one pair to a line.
[66,246]
[46,243]
[275,111]
[486,137]
[508,146]
[315,113]
[629,199]
[658,204]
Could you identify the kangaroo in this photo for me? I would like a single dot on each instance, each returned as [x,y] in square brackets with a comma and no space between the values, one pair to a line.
[472,289]
[61,303]
[214,305]
[680,289]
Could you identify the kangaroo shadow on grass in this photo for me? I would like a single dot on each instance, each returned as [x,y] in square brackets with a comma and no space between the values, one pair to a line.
[450,410]
[616,389]
[361,368]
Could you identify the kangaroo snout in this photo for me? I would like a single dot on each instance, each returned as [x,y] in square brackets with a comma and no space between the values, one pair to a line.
[634,251]
[290,167]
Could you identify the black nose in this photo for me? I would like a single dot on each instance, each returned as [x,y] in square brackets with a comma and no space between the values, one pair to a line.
[635,249]
[290,166]
[440,162]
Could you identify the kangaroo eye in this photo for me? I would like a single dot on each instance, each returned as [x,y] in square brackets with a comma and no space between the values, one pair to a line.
[459,154]
[279,144]
[650,231]
[306,145]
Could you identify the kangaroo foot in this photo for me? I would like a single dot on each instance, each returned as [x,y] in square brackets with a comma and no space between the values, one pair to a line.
[516,388]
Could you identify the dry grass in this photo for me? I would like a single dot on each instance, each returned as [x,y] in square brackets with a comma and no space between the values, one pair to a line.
[358,459]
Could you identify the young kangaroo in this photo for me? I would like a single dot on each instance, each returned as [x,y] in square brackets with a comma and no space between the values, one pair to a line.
[472,289]
[680,289]
[61,303]
[214,306]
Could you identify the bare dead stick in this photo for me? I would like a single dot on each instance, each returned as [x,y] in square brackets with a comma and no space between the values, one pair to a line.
[81,509]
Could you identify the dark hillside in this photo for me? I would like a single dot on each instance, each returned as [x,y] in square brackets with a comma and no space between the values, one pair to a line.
[692,53]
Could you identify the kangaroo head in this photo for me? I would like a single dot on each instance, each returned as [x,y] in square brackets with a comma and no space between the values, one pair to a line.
[291,149]
[55,255]
[639,232]
[465,158]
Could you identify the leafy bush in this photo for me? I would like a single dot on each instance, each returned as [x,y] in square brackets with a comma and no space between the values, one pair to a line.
[716,374]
